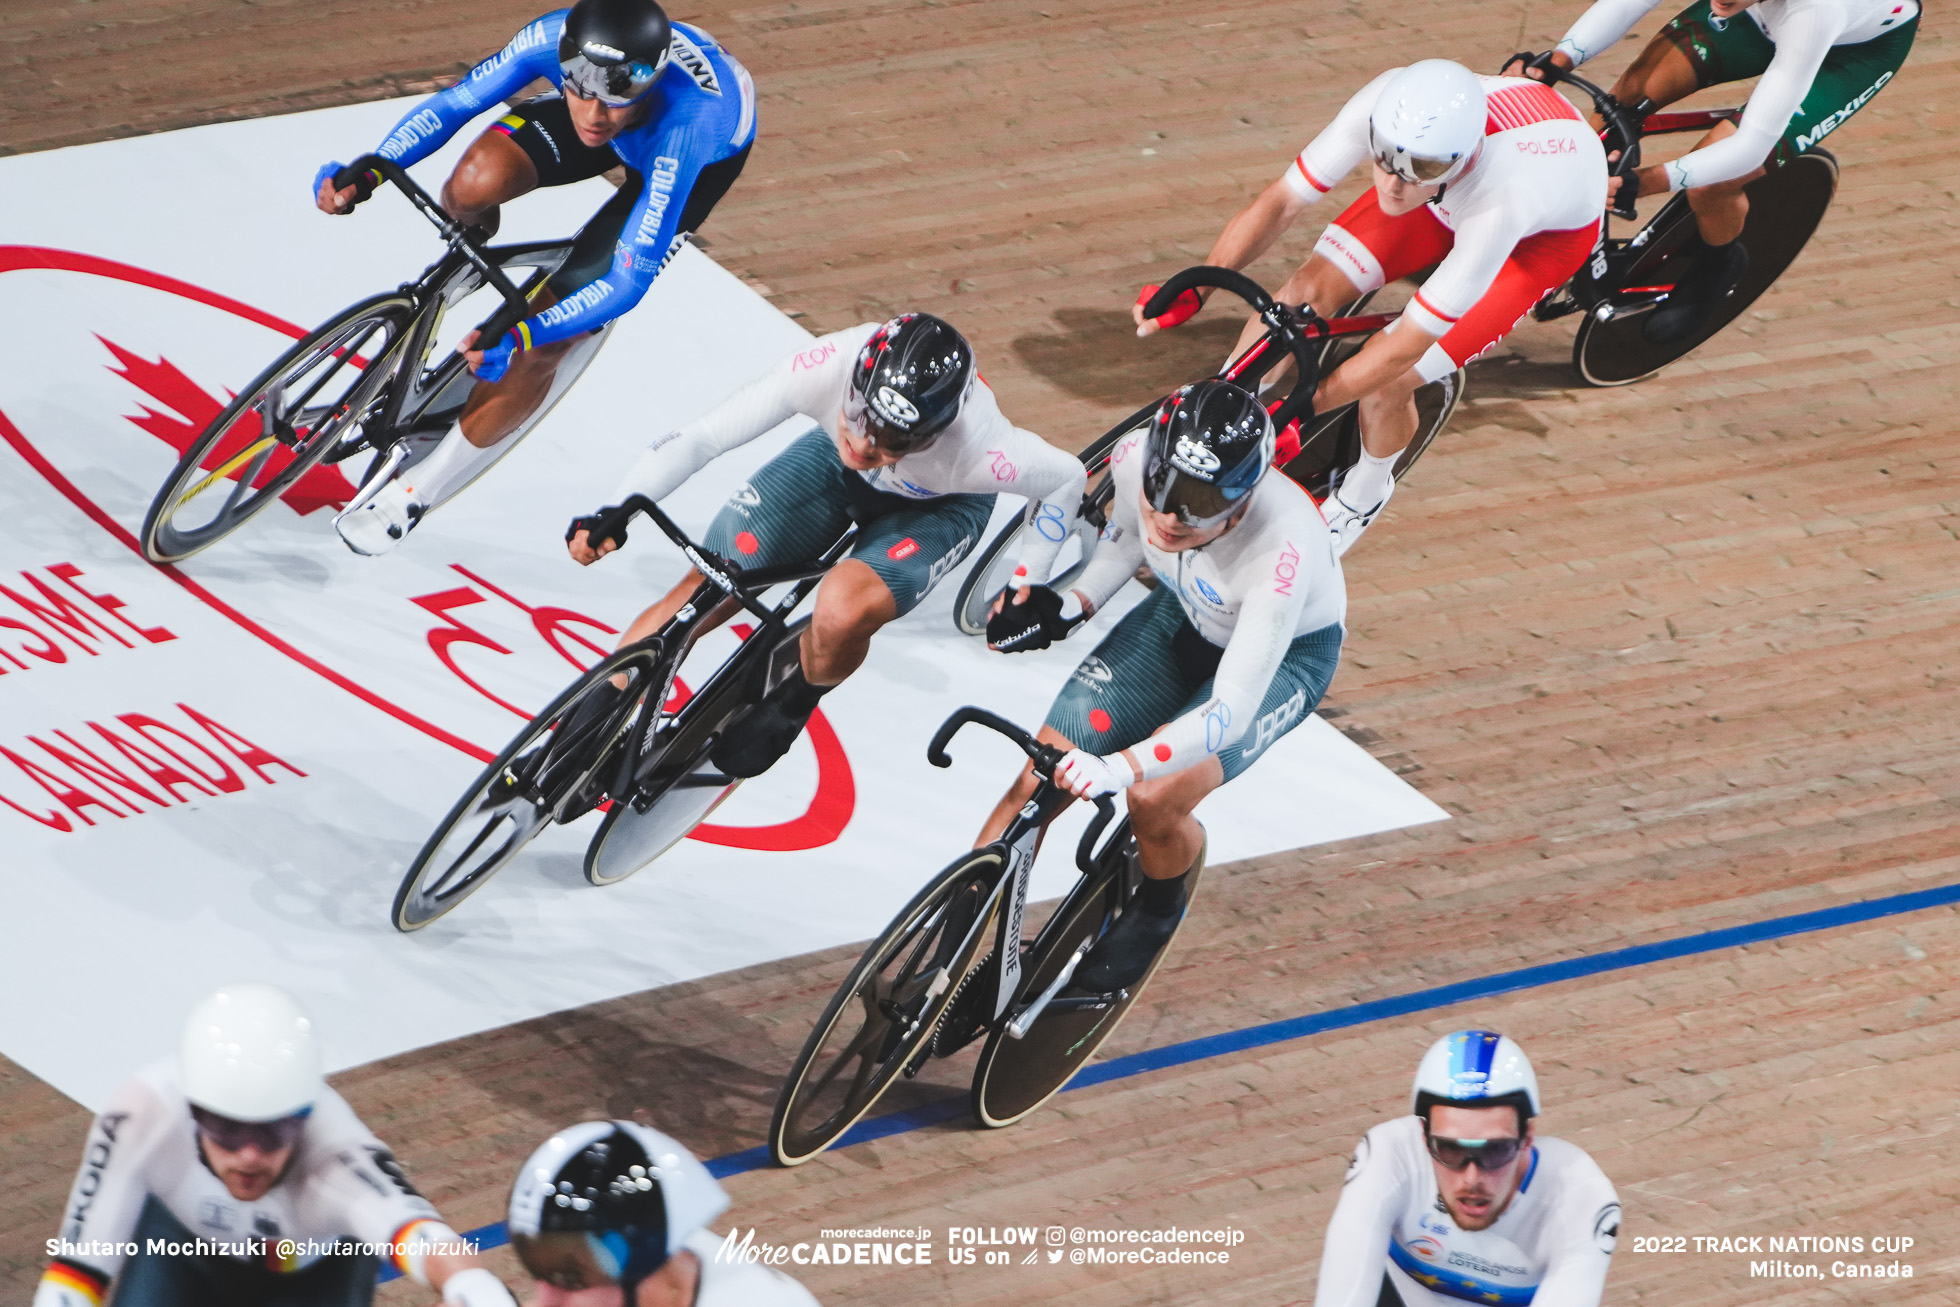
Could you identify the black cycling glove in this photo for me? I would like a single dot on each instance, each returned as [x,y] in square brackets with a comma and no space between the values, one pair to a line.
[606,524]
[1034,623]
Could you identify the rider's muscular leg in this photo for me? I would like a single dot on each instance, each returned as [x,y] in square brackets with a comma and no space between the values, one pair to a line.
[1169,838]
[494,169]
[852,604]
[661,612]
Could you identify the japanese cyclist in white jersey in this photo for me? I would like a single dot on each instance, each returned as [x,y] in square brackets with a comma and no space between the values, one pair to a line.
[613,1214]
[233,1175]
[1462,1201]
[1232,650]
[1495,182]
[907,442]
[1820,62]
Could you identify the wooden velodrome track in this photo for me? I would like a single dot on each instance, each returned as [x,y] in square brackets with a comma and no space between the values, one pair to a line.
[1677,658]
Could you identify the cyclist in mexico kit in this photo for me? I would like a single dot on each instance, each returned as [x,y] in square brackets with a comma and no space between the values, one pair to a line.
[1496,182]
[613,1214]
[662,99]
[908,443]
[1820,62]
[1461,1201]
[250,1171]
[1232,650]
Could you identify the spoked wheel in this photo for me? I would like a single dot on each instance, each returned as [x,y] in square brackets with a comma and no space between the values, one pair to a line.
[885,1009]
[319,392]
[994,565]
[555,770]
[1016,1076]
[679,788]
[1785,207]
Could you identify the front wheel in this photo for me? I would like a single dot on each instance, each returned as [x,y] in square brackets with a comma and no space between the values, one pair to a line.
[886,1008]
[554,770]
[316,396]
[1785,207]
[676,788]
[1016,1076]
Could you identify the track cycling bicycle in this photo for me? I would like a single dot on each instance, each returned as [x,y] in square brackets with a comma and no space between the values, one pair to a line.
[366,380]
[620,738]
[925,987]
[953,965]
[1628,277]
[1328,443]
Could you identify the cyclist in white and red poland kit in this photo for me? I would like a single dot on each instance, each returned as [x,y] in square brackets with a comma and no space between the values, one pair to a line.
[1461,1201]
[907,442]
[233,1175]
[1496,182]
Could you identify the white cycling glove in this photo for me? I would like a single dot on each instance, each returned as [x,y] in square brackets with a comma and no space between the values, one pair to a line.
[1086,776]
[476,1286]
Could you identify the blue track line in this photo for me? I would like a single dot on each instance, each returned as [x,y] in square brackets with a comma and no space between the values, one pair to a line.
[1422,1000]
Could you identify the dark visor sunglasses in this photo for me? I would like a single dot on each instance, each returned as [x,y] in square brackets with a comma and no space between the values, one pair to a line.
[266,1136]
[1488,1154]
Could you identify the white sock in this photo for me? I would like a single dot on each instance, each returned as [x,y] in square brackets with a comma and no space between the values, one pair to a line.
[1366,484]
[450,467]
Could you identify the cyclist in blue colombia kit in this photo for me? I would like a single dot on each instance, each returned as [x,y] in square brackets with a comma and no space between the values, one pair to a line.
[613,1214]
[1462,1201]
[1232,650]
[662,99]
[233,1175]
[907,441]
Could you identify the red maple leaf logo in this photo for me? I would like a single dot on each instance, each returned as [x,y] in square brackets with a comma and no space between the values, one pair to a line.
[194,410]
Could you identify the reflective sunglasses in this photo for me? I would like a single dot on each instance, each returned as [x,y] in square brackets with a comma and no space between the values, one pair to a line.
[1489,1154]
[1409,167]
[616,85]
[232,1136]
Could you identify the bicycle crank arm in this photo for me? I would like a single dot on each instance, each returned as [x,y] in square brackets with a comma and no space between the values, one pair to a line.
[1018,1028]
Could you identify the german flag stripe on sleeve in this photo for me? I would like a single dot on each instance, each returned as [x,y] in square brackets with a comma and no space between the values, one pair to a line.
[81,1279]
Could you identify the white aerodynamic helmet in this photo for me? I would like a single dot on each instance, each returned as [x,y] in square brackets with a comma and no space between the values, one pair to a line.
[249,1053]
[1428,122]
[608,1202]
[1475,1068]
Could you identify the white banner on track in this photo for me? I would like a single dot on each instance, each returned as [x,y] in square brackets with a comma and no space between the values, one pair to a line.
[222,771]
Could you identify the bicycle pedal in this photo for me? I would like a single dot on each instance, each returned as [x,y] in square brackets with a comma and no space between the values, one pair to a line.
[1088,1002]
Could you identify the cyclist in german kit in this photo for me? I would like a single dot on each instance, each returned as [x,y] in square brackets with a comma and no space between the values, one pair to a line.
[1461,1201]
[613,1214]
[661,99]
[908,443]
[1820,62]
[250,1173]
[1495,182]
[1232,650]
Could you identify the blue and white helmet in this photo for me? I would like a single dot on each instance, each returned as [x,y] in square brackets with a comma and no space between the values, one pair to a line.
[1475,1068]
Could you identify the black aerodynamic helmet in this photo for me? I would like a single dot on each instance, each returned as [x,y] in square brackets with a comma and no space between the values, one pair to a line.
[1208,446]
[909,382]
[608,1202]
[614,50]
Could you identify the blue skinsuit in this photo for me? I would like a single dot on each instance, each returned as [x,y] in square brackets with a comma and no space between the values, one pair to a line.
[703,111]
